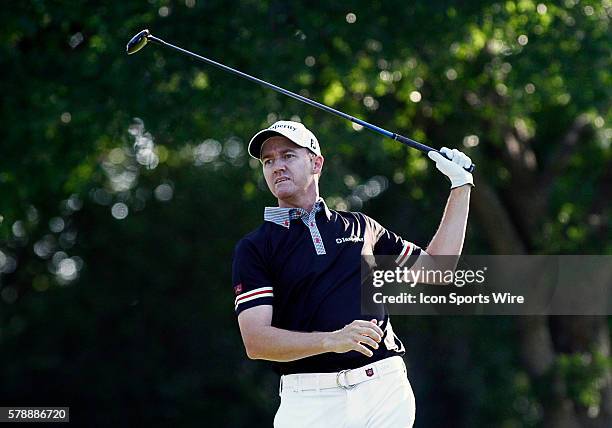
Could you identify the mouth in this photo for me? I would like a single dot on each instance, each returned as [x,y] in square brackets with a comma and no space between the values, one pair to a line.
[280,180]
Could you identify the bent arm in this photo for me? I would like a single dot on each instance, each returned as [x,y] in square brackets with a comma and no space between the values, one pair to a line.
[265,342]
[262,341]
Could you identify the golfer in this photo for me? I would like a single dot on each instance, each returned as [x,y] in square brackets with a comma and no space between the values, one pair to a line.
[297,286]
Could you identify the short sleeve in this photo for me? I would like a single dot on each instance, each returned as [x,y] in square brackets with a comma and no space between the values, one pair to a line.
[387,243]
[250,279]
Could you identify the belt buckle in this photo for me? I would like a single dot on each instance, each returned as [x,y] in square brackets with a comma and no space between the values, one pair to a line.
[346,384]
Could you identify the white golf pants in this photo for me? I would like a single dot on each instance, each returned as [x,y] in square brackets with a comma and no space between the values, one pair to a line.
[378,395]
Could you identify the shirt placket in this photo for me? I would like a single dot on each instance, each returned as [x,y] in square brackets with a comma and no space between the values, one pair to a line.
[311,224]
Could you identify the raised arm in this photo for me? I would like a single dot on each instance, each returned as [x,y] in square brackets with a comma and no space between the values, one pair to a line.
[448,239]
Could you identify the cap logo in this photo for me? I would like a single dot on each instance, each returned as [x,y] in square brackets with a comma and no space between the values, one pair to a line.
[293,128]
[313,144]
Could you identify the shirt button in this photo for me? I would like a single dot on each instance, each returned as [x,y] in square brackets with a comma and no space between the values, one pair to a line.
[311,223]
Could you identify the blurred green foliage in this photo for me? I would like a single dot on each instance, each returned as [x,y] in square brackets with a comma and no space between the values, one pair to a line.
[125,184]
[584,373]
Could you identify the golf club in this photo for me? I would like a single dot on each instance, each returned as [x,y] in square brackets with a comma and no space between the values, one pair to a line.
[140,40]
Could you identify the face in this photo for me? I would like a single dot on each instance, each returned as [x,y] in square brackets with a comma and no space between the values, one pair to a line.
[290,170]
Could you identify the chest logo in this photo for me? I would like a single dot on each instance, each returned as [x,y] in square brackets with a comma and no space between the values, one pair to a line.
[349,239]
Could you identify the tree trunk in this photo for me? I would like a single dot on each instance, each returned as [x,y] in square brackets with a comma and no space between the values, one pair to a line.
[542,339]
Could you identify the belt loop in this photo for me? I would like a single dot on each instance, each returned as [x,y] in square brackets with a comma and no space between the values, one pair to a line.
[297,385]
[318,383]
[280,386]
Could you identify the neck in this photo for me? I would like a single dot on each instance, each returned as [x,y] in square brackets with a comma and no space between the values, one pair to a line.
[305,201]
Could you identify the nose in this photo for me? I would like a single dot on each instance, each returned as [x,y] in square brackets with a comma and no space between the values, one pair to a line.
[278,166]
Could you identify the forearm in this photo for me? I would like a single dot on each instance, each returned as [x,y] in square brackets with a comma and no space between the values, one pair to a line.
[450,235]
[275,344]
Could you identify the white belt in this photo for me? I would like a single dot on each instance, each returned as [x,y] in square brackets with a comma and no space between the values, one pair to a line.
[346,379]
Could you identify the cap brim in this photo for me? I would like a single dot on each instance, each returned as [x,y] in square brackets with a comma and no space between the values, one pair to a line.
[258,140]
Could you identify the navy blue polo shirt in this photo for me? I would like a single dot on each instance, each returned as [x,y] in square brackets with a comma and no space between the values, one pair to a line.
[307,266]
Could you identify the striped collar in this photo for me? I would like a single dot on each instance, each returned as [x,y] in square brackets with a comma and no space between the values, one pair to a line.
[283,216]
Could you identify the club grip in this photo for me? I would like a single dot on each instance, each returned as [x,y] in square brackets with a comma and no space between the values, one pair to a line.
[470,168]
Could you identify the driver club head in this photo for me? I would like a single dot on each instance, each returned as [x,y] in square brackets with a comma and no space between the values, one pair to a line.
[137,42]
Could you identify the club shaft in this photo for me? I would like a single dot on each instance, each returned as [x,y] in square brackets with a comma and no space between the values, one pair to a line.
[400,138]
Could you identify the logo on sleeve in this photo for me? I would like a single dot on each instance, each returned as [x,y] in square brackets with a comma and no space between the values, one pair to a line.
[238,289]
[370,372]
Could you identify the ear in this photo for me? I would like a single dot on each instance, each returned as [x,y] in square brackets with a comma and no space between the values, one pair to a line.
[317,164]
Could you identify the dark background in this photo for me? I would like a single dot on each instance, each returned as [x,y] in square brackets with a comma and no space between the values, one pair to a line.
[125,184]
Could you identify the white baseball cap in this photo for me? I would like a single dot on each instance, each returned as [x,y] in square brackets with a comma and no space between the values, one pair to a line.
[294,131]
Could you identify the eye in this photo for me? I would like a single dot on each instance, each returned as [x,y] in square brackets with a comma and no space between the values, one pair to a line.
[267,162]
[289,155]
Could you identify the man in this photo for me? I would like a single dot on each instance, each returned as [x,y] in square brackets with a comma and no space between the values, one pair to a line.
[297,286]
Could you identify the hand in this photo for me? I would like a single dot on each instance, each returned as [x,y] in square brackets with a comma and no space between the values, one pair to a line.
[453,168]
[354,335]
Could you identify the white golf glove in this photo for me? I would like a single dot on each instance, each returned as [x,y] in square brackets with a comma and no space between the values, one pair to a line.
[453,168]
